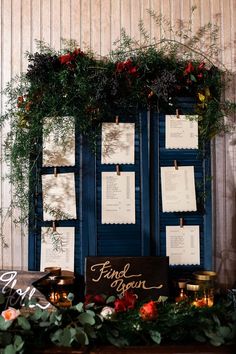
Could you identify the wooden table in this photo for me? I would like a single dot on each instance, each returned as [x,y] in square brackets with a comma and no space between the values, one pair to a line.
[161,349]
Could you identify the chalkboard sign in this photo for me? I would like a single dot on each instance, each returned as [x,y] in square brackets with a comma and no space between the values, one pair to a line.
[17,287]
[145,276]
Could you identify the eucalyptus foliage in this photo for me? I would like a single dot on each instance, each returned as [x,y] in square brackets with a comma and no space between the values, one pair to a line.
[83,325]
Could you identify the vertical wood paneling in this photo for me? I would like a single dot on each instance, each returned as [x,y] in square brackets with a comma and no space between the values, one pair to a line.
[96,24]
[55,24]
[45,21]
[36,23]
[65,20]
[155,29]
[17,237]
[105,38]
[75,20]
[115,21]
[135,18]
[85,29]
[125,15]
[6,69]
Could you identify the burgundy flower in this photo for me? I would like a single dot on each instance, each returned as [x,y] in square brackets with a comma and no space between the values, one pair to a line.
[200,75]
[201,66]
[120,67]
[126,66]
[120,305]
[99,299]
[130,300]
[66,58]
[77,52]
[189,68]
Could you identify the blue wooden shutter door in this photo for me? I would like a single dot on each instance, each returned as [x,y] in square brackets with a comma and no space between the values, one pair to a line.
[147,235]
[160,156]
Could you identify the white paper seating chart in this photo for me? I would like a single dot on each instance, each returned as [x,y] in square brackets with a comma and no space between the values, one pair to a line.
[118,198]
[58,149]
[59,201]
[181,132]
[60,252]
[182,245]
[178,189]
[118,143]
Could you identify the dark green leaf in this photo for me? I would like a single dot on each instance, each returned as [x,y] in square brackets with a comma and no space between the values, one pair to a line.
[86,318]
[156,336]
[23,323]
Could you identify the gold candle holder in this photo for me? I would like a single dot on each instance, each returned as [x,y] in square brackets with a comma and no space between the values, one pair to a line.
[206,281]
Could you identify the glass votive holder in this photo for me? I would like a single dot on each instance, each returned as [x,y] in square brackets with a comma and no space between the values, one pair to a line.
[206,281]
[193,295]
[62,287]
[181,296]
[53,271]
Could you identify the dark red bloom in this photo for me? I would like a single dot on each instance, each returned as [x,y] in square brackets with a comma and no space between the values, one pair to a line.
[201,66]
[120,305]
[130,300]
[200,75]
[189,68]
[133,70]
[148,311]
[99,299]
[77,52]
[120,67]
[127,66]
[66,58]
[20,100]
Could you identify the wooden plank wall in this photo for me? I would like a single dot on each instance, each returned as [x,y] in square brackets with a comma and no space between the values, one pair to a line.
[96,24]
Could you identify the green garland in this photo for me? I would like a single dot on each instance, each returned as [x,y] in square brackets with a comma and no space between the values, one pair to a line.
[117,321]
[92,90]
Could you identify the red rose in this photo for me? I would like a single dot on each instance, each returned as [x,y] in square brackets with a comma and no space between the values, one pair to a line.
[130,300]
[66,58]
[201,66]
[189,68]
[148,311]
[120,67]
[77,52]
[120,305]
[200,75]
[133,71]
[128,63]
[99,299]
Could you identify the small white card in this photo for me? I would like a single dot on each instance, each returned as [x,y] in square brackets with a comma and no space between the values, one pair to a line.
[182,132]
[182,245]
[118,198]
[178,189]
[58,144]
[118,143]
[57,248]
[59,196]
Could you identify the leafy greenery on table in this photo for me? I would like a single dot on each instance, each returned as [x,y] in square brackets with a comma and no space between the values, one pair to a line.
[84,325]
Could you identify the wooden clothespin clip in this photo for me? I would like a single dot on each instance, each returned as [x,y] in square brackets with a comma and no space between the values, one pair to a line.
[54,229]
[118,170]
[117,120]
[181,222]
[55,172]
[175,164]
[177,113]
